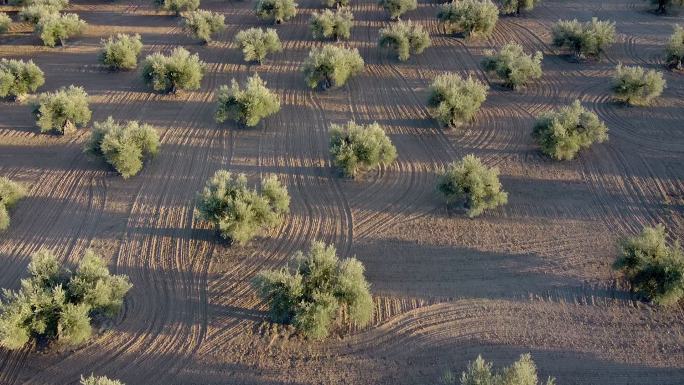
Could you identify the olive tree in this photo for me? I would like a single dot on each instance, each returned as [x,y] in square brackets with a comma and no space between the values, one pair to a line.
[54,303]
[396,8]
[202,24]
[331,66]
[276,11]
[99,380]
[405,38]
[473,18]
[256,43]
[636,86]
[509,7]
[355,147]
[654,268]
[33,11]
[675,48]
[454,101]
[18,78]
[474,183]
[564,132]
[246,105]
[121,52]
[331,25]
[311,294]
[663,5]
[513,65]
[5,22]
[238,212]
[10,193]
[178,71]
[56,28]
[63,110]
[178,6]
[123,145]
[336,3]
[585,39]
[521,372]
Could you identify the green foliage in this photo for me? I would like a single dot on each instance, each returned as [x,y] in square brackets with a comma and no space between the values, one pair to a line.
[336,3]
[675,48]
[509,7]
[355,147]
[396,8]
[636,86]
[56,304]
[35,10]
[654,268]
[454,101]
[240,213]
[100,380]
[121,52]
[256,43]
[476,18]
[202,24]
[63,110]
[331,66]
[311,295]
[276,10]
[246,106]
[5,22]
[329,24]
[663,5]
[471,180]
[521,372]
[178,6]
[18,78]
[178,71]
[54,28]
[564,132]
[513,65]
[10,193]
[404,37]
[123,145]
[585,39]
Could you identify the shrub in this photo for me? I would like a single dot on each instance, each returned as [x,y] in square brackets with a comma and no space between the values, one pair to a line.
[675,48]
[53,28]
[521,372]
[34,11]
[636,86]
[329,24]
[509,7]
[396,8]
[18,78]
[404,37]
[454,101]
[178,71]
[123,145]
[654,268]
[311,295]
[513,65]
[476,18]
[585,39]
[101,380]
[178,6]
[202,24]
[663,5]
[249,105]
[355,147]
[331,66]
[276,10]
[240,213]
[564,132]
[10,193]
[63,110]
[56,304]
[121,53]
[256,43]
[5,22]
[336,3]
[474,182]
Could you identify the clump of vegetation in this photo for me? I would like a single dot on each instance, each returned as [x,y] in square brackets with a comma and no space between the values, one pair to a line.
[100,380]
[474,18]
[336,3]
[331,25]
[276,10]
[663,5]
[63,110]
[564,132]
[331,66]
[479,372]
[56,28]
[475,183]
[178,71]
[56,304]
[509,7]
[513,65]
[10,193]
[355,147]
[584,39]
[454,101]
[310,295]
[238,212]
[636,86]
[121,52]
[396,8]
[33,11]
[5,22]
[654,268]
[405,38]
[256,43]
[246,105]
[123,145]
[675,48]
[202,24]
[18,78]
[178,6]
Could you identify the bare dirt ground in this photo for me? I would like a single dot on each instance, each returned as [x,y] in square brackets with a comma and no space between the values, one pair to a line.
[533,276]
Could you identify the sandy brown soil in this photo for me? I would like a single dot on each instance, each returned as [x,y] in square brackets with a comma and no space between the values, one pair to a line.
[533,276]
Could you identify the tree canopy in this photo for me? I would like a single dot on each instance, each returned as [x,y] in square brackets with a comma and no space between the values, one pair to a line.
[521,372]
[636,86]
[355,147]
[56,28]
[675,48]
[454,101]
[276,10]
[121,52]
[18,78]
[396,8]
[63,110]
[202,24]
[5,22]
[246,105]
[513,65]
[405,38]
[256,43]
[333,25]
[10,193]
[588,39]
[331,66]
[509,7]
[474,18]
[178,6]
[178,71]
